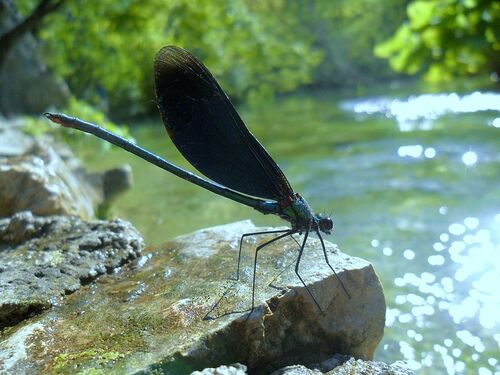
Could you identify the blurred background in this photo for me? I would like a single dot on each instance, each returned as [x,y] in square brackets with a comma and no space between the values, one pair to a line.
[385,114]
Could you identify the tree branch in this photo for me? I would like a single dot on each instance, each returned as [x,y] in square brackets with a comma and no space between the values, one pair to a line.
[9,39]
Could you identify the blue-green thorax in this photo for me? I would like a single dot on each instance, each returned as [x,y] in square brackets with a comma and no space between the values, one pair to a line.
[297,211]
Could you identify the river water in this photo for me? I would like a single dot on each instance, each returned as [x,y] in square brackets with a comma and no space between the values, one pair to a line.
[413,185]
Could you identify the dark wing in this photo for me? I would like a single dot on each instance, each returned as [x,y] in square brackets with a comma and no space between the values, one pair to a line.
[208,131]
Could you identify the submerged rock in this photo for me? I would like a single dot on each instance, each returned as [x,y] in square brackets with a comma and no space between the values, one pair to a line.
[45,258]
[150,317]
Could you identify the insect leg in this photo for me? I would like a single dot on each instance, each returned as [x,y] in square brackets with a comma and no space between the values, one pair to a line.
[248,235]
[306,234]
[328,262]
[260,247]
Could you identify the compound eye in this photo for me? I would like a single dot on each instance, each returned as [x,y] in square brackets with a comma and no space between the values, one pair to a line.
[325,224]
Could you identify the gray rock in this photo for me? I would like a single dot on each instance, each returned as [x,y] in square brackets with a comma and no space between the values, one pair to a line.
[297,370]
[236,369]
[47,182]
[41,182]
[361,367]
[116,181]
[344,365]
[27,86]
[149,317]
[13,142]
[43,259]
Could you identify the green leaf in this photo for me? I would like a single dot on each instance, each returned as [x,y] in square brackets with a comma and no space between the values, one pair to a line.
[420,13]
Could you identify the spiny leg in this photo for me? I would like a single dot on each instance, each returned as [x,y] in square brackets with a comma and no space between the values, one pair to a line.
[216,304]
[286,266]
[260,247]
[297,270]
[329,265]
[253,234]
[207,315]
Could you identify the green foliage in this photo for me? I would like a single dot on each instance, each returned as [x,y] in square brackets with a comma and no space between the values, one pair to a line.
[83,110]
[257,48]
[37,126]
[445,39]
[108,46]
[102,49]
[24,7]
[347,32]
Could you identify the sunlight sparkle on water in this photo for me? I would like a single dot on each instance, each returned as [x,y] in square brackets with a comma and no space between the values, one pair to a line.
[469,294]
[460,285]
[391,316]
[456,229]
[443,210]
[471,222]
[436,260]
[409,254]
[387,251]
[430,152]
[469,158]
[421,111]
[428,277]
[414,151]
[438,246]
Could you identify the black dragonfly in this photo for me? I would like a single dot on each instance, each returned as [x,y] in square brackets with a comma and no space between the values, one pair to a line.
[209,133]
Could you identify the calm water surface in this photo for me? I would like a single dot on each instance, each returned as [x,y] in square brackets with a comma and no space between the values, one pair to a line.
[413,184]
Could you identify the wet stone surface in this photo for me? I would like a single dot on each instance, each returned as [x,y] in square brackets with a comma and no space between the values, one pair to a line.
[44,258]
[150,316]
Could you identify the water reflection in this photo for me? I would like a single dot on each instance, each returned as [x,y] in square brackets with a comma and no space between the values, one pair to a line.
[420,112]
[429,152]
[416,151]
[468,295]
[412,150]
[469,158]
[423,207]
[444,314]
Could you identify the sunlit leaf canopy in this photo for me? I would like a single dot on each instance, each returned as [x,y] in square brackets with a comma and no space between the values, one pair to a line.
[446,38]
[255,48]
[259,48]
[110,45]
